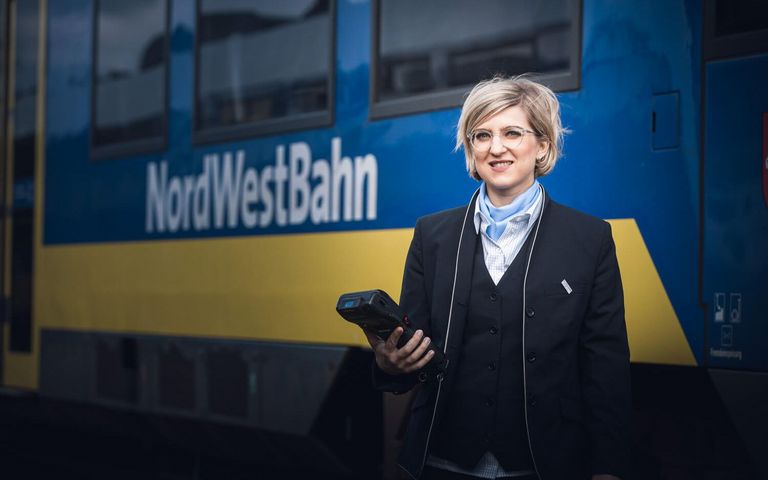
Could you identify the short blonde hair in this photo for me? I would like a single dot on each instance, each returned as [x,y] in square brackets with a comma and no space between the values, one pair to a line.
[539,103]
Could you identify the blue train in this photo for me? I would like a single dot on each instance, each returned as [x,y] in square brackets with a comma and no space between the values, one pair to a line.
[188,186]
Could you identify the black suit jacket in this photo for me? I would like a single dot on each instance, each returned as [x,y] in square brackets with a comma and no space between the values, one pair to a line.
[576,356]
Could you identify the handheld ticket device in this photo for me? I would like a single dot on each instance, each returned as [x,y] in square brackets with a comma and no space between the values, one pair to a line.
[374,311]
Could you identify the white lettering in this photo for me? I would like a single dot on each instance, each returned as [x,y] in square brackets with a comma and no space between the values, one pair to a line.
[720,353]
[320,211]
[298,198]
[266,197]
[341,171]
[250,197]
[366,169]
[291,191]
[155,212]
[174,200]
[200,201]
[281,174]
[226,189]
[189,189]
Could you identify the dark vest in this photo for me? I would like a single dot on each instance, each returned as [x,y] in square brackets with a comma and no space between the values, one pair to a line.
[485,409]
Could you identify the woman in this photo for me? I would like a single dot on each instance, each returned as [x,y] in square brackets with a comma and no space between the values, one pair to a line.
[524,297]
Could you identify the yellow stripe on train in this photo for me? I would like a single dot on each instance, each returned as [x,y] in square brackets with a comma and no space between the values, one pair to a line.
[655,334]
[279,288]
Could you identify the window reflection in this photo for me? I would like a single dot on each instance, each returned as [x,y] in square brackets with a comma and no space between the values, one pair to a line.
[261,60]
[22,205]
[25,111]
[130,71]
[732,18]
[467,42]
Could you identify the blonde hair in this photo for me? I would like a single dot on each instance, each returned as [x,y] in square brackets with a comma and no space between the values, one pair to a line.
[539,103]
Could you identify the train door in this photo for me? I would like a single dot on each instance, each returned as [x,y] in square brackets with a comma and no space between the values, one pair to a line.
[735,213]
[22,155]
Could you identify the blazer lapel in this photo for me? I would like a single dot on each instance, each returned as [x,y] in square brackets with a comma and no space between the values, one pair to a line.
[466,262]
[538,261]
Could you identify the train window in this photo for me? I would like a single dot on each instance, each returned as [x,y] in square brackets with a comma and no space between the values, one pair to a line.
[417,69]
[735,28]
[740,17]
[130,69]
[25,22]
[262,67]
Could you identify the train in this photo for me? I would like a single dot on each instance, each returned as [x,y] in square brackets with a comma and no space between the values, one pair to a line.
[189,185]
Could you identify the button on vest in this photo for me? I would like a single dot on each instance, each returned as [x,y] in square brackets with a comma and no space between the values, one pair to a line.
[485,408]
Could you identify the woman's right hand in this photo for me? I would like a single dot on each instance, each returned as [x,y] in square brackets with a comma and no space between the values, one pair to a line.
[396,361]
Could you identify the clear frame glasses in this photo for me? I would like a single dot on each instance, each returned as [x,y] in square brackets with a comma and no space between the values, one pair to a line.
[511,137]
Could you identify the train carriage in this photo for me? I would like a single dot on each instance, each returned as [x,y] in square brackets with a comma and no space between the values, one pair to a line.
[190,185]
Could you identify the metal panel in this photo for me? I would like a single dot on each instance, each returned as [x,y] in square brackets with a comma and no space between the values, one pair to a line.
[285,377]
[116,369]
[227,380]
[666,120]
[735,215]
[66,364]
[176,377]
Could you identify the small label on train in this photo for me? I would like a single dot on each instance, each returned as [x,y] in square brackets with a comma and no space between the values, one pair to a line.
[228,194]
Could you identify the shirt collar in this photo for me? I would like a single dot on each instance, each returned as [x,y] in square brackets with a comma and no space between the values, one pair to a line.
[481,220]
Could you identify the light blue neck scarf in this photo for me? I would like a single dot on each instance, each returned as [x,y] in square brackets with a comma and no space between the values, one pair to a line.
[499,217]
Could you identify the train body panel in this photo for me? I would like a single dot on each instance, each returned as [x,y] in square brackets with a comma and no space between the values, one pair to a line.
[400,168]
[736,212]
[224,248]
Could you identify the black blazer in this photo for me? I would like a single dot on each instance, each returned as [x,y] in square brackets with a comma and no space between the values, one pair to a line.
[576,356]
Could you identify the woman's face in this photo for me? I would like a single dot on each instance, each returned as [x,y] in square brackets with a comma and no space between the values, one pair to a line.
[507,171]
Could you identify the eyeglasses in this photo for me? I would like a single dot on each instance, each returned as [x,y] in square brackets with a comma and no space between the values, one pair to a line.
[511,137]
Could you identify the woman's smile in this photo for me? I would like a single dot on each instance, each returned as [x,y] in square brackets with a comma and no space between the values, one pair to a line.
[500,165]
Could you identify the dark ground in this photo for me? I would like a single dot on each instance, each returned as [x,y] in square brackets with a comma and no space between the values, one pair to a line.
[34,443]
